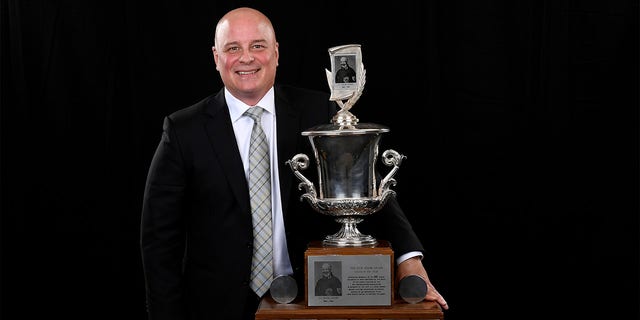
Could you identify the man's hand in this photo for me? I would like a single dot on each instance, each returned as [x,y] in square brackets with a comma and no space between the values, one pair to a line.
[413,266]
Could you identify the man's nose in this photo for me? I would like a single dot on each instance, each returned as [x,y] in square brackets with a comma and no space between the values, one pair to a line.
[246,56]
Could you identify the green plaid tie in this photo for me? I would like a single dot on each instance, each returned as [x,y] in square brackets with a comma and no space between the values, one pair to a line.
[260,193]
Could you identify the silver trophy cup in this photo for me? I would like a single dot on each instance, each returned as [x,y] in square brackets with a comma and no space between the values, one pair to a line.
[345,154]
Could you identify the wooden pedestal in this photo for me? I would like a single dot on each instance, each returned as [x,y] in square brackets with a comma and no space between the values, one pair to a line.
[396,309]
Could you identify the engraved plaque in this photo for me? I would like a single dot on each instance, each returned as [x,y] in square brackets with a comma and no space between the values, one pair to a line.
[349,276]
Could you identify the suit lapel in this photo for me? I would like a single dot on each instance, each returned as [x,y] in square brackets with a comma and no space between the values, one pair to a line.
[222,139]
[288,134]
[220,133]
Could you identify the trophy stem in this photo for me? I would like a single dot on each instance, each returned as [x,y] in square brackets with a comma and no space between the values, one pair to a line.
[349,236]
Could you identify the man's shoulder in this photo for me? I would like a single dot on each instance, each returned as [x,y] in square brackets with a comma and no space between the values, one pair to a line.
[295,92]
[196,109]
[312,106]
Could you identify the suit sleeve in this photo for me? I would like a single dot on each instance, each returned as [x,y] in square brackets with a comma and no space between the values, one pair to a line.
[162,236]
[391,224]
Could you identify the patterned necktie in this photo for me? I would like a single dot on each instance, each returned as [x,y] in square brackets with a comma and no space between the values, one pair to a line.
[260,193]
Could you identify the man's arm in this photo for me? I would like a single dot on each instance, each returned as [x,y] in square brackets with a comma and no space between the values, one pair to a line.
[391,224]
[162,238]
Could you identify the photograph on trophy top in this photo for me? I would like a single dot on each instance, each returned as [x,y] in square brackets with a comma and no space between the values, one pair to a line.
[347,71]
[345,75]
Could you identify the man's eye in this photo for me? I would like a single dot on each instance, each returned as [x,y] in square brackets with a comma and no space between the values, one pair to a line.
[233,49]
[258,46]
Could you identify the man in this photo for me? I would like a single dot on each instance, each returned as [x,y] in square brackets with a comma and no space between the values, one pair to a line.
[197,237]
[328,284]
[345,73]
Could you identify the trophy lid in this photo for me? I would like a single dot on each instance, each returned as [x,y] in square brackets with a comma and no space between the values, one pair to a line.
[337,129]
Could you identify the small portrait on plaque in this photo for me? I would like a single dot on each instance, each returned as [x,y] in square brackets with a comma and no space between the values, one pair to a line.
[328,281]
[345,73]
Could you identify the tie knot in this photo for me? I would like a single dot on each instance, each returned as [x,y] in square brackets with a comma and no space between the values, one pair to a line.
[255,113]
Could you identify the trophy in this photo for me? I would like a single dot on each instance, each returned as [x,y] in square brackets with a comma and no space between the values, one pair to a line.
[346,152]
[347,268]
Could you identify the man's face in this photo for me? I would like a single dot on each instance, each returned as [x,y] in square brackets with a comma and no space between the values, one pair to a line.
[326,271]
[343,64]
[246,55]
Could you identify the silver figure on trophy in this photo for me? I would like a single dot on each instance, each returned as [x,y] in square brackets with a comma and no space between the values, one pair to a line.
[346,152]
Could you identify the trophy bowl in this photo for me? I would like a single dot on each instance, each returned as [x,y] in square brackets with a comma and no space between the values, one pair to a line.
[347,180]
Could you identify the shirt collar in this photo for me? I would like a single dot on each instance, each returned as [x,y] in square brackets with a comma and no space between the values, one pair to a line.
[237,107]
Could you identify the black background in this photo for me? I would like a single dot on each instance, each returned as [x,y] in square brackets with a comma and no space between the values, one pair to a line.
[519,120]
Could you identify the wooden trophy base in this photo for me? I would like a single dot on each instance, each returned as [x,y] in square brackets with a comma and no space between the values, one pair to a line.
[269,309]
[365,275]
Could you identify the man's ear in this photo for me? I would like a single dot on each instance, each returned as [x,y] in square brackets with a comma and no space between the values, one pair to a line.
[215,56]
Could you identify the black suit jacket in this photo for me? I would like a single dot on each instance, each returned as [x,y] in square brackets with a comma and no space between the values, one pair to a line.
[196,231]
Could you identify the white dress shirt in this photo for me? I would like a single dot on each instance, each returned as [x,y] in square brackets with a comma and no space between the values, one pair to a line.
[242,126]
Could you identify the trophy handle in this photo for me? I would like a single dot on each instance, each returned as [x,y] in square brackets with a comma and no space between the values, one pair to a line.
[390,158]
[301,161]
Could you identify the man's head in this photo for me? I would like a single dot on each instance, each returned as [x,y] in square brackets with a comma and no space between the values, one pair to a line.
[343,62]
[246,53]
[326,270]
